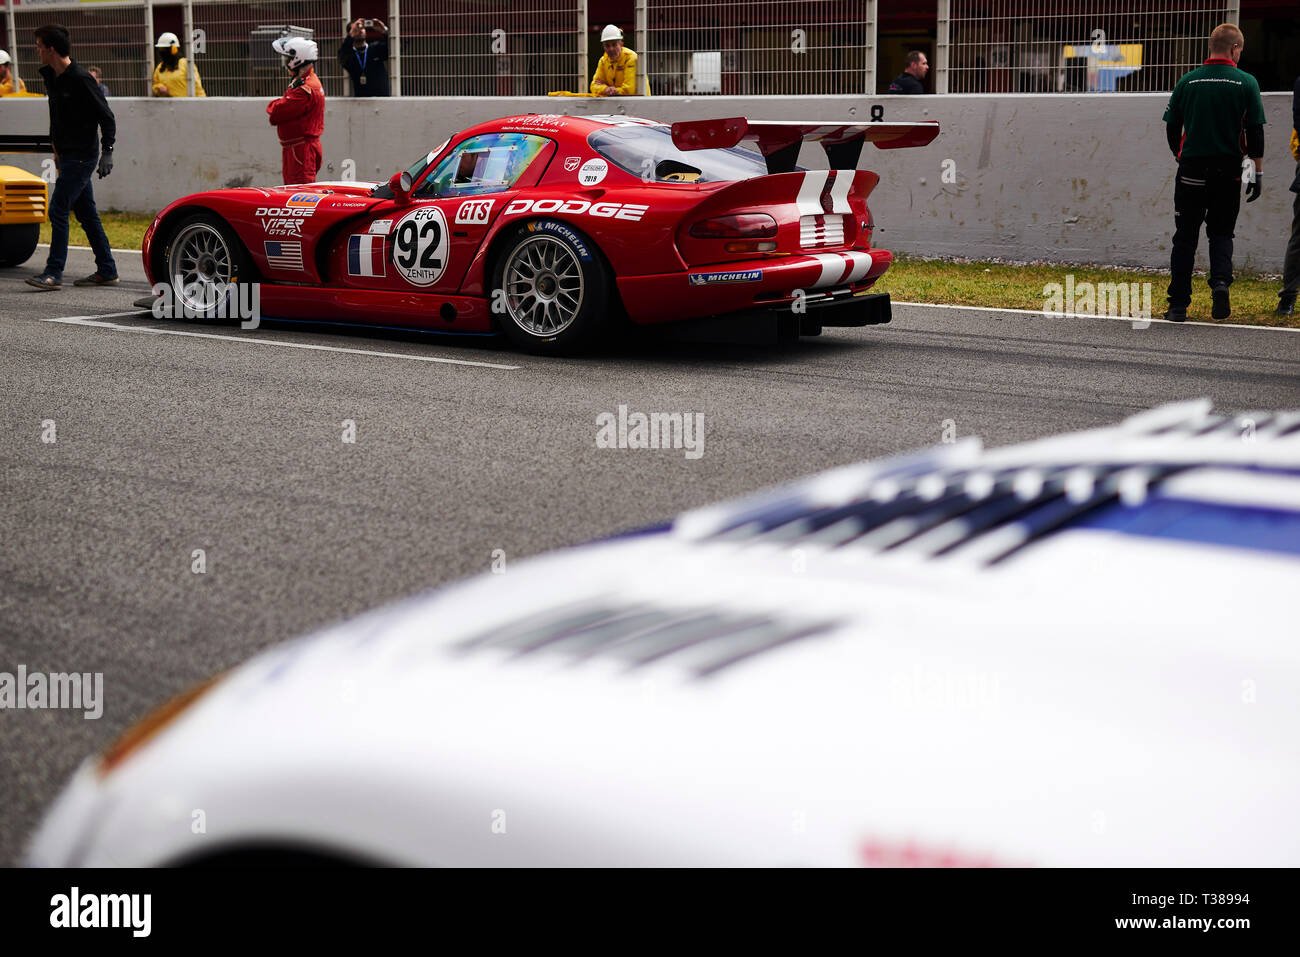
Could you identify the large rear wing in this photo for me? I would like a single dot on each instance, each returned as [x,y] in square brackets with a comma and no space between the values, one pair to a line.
[779,140]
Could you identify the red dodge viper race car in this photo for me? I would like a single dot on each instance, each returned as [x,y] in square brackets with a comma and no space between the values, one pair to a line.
[551,228]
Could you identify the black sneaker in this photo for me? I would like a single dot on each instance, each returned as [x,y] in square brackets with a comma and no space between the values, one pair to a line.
[44,282]
[1221,309]
[1176,314]
[1285,306]
[97,279]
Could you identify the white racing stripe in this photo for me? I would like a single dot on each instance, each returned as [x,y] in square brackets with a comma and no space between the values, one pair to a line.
[97,321]
[861,266]
[833,267]
[809,199]
[840,191]
[839,269]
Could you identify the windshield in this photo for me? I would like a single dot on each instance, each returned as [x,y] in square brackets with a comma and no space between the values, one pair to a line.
[648,151]
[415,169]
[487,163]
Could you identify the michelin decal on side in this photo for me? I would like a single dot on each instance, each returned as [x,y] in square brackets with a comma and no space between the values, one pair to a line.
[560,229]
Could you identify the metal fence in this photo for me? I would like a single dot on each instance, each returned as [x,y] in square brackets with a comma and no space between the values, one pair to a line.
[493,47]
[742,47]
[1072,46]
[110,35]
[758,47]
[232,44]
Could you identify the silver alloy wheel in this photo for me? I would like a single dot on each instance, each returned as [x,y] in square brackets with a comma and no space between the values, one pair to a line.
[543,286]
[201,267]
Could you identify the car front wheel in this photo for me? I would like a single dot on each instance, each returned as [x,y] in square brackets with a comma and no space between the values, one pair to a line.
[205,262]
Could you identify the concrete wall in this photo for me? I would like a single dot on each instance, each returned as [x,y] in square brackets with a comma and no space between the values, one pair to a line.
[1063,178]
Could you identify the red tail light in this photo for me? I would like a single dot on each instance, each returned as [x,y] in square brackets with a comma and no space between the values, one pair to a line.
[737,226]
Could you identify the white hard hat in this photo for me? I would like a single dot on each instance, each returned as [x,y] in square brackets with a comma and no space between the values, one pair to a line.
[167,41]
[610,32]
[4,58]
[299,50]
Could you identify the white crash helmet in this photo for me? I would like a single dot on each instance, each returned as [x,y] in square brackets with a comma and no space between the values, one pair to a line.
[610,32]
[298,50]
[169,41]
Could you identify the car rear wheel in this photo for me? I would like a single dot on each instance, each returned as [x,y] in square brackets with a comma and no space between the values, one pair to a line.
[18,242]
[550,289]
[204,263]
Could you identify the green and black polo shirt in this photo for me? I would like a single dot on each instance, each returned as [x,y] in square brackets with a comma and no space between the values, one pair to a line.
[1214,104]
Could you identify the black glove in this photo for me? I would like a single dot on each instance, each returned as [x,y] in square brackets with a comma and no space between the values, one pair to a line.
[1253,188]
[105,163]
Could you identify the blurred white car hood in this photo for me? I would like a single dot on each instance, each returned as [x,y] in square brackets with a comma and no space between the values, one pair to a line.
[1107,677]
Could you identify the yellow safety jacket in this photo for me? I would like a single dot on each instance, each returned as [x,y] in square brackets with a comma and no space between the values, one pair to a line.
[621,75]
[7,87]
[174,80]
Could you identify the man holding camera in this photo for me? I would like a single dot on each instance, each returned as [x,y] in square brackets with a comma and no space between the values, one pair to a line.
[366,60]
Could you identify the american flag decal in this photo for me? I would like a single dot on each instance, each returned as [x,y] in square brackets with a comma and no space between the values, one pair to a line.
[283,255]
[366,255]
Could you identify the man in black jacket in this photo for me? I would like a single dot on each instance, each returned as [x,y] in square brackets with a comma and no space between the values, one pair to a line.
[365,60]
[911,80]
[80,121]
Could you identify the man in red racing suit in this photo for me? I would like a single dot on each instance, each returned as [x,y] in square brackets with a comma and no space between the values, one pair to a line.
[299,115]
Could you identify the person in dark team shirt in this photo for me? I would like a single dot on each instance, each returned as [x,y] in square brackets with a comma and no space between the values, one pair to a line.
[80,123]
[1214,116]
[912,79]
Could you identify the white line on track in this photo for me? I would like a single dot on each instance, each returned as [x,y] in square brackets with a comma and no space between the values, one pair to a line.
[1083,315]
[98,322]
[124,252]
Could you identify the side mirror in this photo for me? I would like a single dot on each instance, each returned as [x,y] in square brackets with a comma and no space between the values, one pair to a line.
[400,184]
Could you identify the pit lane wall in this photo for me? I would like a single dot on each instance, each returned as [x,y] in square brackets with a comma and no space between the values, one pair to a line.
[1017,176]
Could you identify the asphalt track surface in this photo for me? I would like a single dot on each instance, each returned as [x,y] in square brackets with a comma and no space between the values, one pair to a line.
[232,442]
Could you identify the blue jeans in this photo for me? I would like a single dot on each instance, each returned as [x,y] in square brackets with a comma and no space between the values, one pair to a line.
[73,193]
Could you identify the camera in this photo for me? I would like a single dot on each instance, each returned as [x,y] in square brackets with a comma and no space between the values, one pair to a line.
[367,23]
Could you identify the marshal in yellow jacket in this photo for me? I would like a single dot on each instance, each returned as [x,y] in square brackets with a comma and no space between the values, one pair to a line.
[619,77]
[173,82]
[7,87]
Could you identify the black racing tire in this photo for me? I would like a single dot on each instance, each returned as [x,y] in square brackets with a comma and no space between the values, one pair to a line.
[203,263]
[18,242]
[550,292]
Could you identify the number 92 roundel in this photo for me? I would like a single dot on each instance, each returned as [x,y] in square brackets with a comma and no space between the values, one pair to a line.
[420,246]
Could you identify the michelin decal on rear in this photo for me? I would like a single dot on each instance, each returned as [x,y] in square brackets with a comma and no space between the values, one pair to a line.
[709,278]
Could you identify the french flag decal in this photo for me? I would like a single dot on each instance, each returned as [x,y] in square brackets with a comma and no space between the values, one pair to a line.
[366,255]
